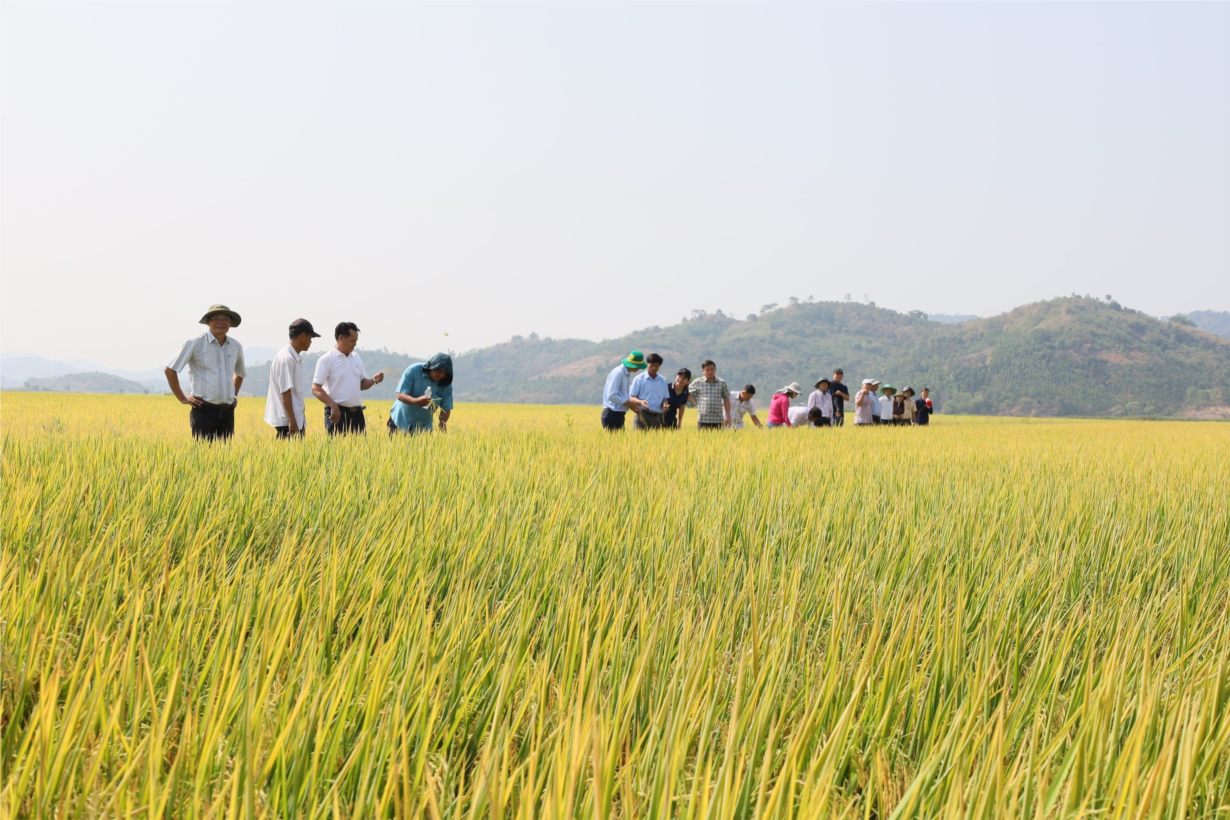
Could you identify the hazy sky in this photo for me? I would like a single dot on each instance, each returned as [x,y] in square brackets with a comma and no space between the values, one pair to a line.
[585,170]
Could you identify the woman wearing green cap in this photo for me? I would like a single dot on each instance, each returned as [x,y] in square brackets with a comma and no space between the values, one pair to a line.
[616,395]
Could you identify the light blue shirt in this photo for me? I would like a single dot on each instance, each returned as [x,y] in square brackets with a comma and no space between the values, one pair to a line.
[615,394]
[414,382]
[650,388]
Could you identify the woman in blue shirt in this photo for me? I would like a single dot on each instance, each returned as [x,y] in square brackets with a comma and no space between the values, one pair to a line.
[425,388]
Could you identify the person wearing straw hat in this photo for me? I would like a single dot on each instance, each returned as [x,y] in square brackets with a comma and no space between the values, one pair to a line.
[617,398]
[911,410]
[284,410]
[886,404]
[821,399]
[863,400]
[218,371]
[779,406]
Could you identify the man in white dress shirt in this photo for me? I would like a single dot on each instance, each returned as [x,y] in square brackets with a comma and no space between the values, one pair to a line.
[339,379]
[284,403]
[216,362]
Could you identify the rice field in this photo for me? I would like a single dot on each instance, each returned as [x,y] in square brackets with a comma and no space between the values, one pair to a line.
[529,618]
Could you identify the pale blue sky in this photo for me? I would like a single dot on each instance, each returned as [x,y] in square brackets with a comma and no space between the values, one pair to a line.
[585,170]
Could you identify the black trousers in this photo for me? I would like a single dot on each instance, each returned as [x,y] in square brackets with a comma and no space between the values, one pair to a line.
[352,421]
[839,420]
[412,431]
[213,421]
[648,421]
[709,425]
[612,419]
[284,432]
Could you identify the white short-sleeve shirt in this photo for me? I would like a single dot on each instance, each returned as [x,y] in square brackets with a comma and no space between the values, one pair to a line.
[212,366]
[285,373]
[738,408]
[798,416]
[886,407]
[342,377]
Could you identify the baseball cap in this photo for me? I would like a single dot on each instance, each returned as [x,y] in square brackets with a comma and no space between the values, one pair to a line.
[303,326]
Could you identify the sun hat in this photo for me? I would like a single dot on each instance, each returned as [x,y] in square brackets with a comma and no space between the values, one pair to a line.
[907,387]
[635,360]
[221,309]
[826,381]
[793,387]
[889,387]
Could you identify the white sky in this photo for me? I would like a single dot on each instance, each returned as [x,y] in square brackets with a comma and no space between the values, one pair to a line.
[584,170]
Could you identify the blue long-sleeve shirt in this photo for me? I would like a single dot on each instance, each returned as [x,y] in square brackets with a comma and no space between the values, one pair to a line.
[616,393]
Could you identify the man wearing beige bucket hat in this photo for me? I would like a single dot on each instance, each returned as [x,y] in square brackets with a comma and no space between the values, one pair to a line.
[216,362]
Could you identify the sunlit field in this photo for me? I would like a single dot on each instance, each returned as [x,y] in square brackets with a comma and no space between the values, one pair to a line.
[530,618]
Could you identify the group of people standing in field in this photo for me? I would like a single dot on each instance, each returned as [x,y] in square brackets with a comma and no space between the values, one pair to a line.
[216,363]
[636,385]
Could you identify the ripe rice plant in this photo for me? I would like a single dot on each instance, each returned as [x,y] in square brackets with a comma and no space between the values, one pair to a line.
[530,618]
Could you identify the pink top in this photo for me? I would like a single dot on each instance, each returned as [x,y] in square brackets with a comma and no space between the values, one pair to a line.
[778,408]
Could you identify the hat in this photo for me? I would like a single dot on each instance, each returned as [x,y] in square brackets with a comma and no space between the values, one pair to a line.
[907,387]
[869,381]
[888,387]
[875,382]
[635,360]
[826,381]
[303,326]
[221,309]
[793,387]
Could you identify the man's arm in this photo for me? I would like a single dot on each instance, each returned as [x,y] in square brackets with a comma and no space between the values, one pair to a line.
[335,412]
[365,384]
[288,404]
[756,420]
[416,401]
[173,383]
[444,414]
[726,402]
[237,380]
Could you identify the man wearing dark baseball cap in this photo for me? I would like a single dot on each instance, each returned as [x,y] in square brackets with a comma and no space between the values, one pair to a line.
[284,403]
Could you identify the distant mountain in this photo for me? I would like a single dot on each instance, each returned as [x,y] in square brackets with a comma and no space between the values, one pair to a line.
[1070,356]
[951,318]
[16,368]
[1213,321]
[258,355]
[85,383]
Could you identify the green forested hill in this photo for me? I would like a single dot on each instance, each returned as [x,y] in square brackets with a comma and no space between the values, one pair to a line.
[1071,356]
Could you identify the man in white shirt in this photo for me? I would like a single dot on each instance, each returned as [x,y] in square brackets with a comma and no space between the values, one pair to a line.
[799,417]
[284,403]
[875,404]
[744,404]
[216,362]
[821,399]
[886,404]
[339,380]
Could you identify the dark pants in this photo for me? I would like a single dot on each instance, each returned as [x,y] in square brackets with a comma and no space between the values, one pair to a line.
[648,421]
[409,431]
[823,421]
[839,420]
[708,425]
[612,419]
[284,432]
[213,421]
[352,421]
